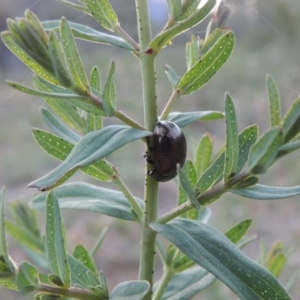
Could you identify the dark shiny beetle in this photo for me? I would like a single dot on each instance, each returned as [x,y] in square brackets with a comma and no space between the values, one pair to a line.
[168,151]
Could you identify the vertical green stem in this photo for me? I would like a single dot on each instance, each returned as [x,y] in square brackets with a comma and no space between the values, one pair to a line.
[147,59]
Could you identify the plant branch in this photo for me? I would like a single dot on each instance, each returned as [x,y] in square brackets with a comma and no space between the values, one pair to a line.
[167,275]
[75,293]
[175,95]
[118,29]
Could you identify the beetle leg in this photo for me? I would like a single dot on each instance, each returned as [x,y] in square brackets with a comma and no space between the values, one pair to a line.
[148,158]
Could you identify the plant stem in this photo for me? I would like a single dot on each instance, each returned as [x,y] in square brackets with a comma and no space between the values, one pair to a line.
[127,120]
[127,38]
[74,293]
[175,95]
[124,189]
[147,59]
[167,275]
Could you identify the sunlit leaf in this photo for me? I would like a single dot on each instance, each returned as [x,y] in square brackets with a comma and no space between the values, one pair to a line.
[55,241]
[84,257]
[207,66]
[27,278]
[236,233]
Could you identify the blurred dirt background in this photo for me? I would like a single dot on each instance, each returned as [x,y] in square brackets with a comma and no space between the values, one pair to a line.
[268,41]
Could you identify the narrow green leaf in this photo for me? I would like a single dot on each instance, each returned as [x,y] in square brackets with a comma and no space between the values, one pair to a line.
[187,284]
[103,12]
[73,5]
[291,121]
[89,197]
[25,237]
[82,254]
[54,279]
[3,244]
[66,111]
[58,127]
[192,52]
[189,8]
[84,103]
[264,192]
[27,278]
[95,79]
[213,251]
[89,34]
[72,58]
[92,147]
[274,102]
[252,180]
[247,138]
[184,119]
[109,93]
[236,233]
[15,46]
[55,241]
[26,90]
[187,182]
[165,37]
[45,296]
[58,60]
[81,275]
[172,76]
[288,148]
[208,65]
[130,290]
[37,25]
[60,149]
[211,40]
[203,154]
[231,144]
[264,151]
[276,259]
[99,241]
[174,8]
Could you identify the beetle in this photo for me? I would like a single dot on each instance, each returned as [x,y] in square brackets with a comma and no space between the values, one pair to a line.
[169,149]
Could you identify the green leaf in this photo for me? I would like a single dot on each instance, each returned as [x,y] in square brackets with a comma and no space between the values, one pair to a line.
[89,197]
[27,278]
[130,290]
[172,76]
[187,182]
[236,233]
[291,121]
[18,49]
[72,58]
[264,192]
[231,145]
[66,111]
[288,148]
[3,244]
[81,275]
[92,147]
[45,296]
[58,60]
[103,12]
[165,37]
[247,138]
[207,66]
[189,8]
[264,151]
[68,95]
[203,154]
[58,127]
[187,284]
[55,241]
[274,102]
[54,279]
[184,119]
[211,40]
[60,149]
[84,257]
[174,8]
[192,51]
[89,34]
[73,5]
[25,237]
[213,251]
[109,93]
[276,259]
